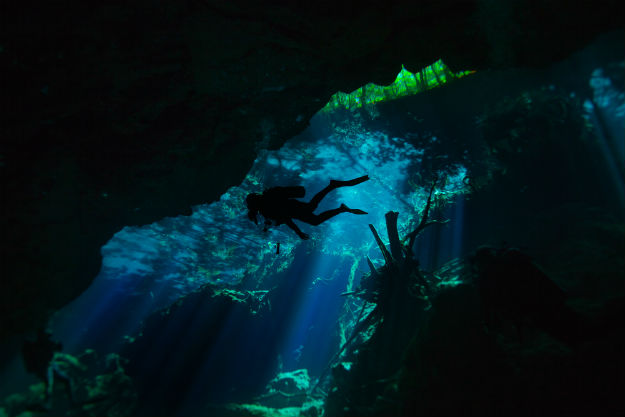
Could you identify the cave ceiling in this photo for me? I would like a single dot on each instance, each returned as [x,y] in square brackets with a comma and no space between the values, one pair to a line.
[119,113]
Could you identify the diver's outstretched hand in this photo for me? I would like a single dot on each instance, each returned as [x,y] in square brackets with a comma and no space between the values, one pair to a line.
[355,181]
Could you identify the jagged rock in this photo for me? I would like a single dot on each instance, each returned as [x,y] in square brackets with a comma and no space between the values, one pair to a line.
[504,339]
[89,386]
[117,115]
[313,408]
[287,395]
[492,349]
[287,389]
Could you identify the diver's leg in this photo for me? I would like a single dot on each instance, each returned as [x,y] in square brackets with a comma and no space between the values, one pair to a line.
[314,202]
[317,219]
[334,184]
[353,211]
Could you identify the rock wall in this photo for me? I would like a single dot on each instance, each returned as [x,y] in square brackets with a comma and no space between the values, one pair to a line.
[117,114]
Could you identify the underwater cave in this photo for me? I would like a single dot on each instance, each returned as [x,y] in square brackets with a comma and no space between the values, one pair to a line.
[464,254]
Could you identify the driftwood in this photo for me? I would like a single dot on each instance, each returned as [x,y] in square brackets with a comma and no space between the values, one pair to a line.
[400,267]
[385,253]
[411,237]
[399,281]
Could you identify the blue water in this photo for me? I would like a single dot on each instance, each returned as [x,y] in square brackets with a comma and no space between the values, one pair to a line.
[146,269]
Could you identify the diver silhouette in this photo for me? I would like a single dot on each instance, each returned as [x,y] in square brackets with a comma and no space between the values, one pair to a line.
[278,205]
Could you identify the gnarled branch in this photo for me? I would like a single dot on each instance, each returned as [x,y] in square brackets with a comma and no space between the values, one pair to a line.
[393,235]
[424,223]
[387,256]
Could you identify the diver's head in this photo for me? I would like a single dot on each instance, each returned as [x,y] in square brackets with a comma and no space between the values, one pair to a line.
[253,206]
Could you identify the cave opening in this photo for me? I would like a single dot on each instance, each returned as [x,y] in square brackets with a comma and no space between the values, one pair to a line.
[205,310]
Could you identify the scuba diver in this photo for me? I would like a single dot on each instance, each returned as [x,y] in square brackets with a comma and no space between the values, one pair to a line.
[278,205]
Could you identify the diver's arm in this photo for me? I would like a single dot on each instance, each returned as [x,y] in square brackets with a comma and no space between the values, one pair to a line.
[294,227]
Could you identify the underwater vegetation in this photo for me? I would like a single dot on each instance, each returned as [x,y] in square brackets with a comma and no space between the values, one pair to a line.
[406,83]
[484,275]
[82,385]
